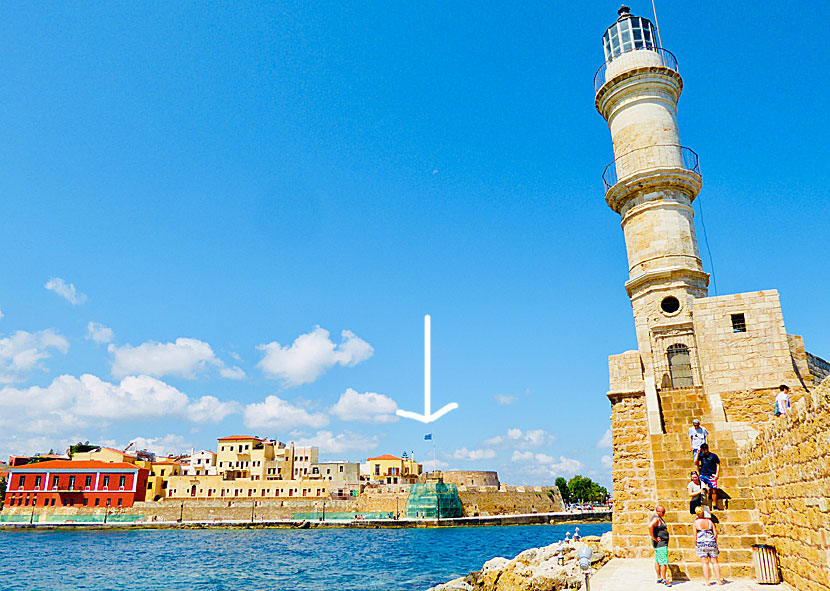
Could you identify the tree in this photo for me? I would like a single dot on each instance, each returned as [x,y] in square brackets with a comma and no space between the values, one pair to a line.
[586,490]
[562,485]
[80,448]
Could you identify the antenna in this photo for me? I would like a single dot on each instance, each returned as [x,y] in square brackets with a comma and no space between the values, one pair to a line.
[657,24]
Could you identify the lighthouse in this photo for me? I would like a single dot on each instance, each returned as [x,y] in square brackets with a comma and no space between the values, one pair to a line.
[651,184]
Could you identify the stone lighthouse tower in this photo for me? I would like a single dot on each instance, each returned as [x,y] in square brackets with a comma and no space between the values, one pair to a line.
[652,183]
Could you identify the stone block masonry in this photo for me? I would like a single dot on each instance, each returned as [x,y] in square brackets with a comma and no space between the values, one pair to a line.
[788,466]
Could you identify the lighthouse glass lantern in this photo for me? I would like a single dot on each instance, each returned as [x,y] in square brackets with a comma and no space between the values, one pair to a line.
[627,34]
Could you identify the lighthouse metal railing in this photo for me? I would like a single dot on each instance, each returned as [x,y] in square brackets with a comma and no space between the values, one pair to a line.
[628,59]
[649,158]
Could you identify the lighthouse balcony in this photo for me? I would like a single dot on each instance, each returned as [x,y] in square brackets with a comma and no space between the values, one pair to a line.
[634,58]
[650,159]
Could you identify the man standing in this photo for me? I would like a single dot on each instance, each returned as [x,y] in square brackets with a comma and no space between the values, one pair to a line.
[709,467]
[699,435]
[782,400]
[659,532]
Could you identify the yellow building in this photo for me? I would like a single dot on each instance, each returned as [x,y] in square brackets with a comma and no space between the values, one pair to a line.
[391,469]
[104,454]
[160,474]
[252,467]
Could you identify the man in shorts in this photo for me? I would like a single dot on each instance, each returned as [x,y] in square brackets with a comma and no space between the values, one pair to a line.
[709,466]
[659,533]
[698,435]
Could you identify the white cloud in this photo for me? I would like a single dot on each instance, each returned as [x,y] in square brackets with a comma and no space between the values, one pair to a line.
[368,407]
[311,355]
[543,465]
[98,332]
[531,439]
[70,404]
[276,413]
[65,290]
[168,445]
[2,315]
[497,440]
[232,373]
[474,455]
[605,440]
[23,351]
[505,399]
[209,409]
[330,443]
[606,461]
[184,358]
[431,465]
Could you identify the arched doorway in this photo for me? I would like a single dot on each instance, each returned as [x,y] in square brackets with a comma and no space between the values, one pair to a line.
[680,366]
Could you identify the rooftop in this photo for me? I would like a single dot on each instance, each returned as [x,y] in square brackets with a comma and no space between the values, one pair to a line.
[240,438]
[75,465]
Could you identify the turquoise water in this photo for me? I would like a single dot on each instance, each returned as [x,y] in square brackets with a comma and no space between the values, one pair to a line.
[273,560]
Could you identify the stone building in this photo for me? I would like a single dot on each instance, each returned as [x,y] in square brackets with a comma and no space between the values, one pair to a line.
[720,359]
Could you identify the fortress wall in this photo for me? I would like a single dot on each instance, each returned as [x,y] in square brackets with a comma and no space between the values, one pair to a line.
[507,502]
[789,469]
[755,406]
[635,489]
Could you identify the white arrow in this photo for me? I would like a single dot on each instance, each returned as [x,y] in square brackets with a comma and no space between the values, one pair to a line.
[428,416]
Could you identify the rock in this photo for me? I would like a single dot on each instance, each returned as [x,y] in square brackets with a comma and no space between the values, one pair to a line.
[455,585]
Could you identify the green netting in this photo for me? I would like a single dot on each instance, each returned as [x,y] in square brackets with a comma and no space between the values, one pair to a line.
[15,518]
[432,500]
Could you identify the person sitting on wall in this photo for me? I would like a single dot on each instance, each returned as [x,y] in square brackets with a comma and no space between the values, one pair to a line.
[782,400]
[698,435]
[709,465]
[659,532]
[695,489]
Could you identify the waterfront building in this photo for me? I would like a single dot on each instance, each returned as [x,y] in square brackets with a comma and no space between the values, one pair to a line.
[719,359]
[471,478]
[342,478]
[201,463]
[65,483]
[105,454]
[160,473]
[389,469]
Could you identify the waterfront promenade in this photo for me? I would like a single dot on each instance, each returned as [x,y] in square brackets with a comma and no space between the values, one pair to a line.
[627,574]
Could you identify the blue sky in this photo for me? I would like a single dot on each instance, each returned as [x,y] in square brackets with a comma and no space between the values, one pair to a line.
[216,182]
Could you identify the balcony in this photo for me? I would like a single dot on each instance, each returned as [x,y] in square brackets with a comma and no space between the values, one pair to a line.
[656,56]
[648,159]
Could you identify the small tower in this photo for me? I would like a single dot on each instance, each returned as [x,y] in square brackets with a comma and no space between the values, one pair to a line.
[652,183]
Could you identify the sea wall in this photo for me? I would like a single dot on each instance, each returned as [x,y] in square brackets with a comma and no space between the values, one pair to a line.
[392,500]
[789,469]
[510,500]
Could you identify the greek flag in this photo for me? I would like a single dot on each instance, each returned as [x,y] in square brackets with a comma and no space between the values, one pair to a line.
[428,436]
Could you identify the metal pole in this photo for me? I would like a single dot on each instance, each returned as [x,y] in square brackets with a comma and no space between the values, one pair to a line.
[587,583]
[253,505]
[181,513]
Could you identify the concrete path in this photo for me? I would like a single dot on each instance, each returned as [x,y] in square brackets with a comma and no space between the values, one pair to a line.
[635,574]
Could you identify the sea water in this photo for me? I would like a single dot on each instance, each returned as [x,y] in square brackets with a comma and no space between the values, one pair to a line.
[261,559]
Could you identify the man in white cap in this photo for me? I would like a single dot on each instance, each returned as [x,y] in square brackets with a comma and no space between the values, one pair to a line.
[699,435]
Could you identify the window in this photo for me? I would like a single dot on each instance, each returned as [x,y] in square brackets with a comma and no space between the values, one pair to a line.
[670,305]
[53,502]
[341,468]
[88,481]
[97,502]
[120,502]
[162,471]
[72,482]
[71,502]
[86,502]
[109,502]
[37,481]
[23,481]
[106,482]
[122,481]
[738,323]
[54,482]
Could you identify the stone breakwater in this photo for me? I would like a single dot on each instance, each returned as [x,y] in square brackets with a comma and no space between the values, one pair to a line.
[549,568]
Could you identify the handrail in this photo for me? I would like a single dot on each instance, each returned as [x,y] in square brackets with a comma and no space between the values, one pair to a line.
[689,158]
[666,56]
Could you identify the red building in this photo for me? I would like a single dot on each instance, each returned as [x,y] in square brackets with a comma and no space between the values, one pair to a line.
[63,483]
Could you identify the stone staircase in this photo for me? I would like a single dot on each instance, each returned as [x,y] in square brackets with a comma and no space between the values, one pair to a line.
[738,521]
